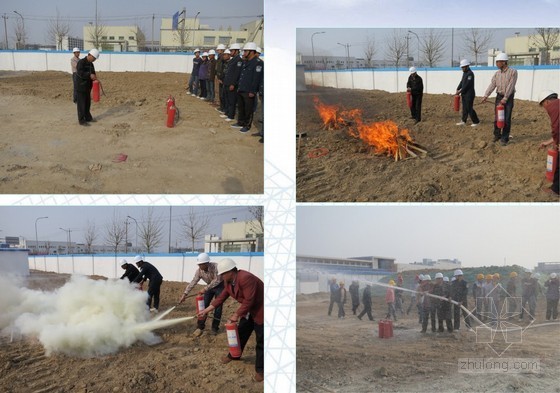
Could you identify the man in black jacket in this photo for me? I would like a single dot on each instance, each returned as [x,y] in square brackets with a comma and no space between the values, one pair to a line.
[149,272]
[354,290]
[85,75]
[231,81]
[130,271]
[249,83]
[416,87]
[366,301]
[459,293]
[466,90]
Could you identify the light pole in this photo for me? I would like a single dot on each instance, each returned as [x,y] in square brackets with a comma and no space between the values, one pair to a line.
[68,238]
[23,25]
[312,48]
[347,47]
[194,25]
[36,237]
[136,240]
[418,45]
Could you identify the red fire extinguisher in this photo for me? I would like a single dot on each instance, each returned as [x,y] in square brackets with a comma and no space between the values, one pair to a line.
[170,102]
[500,116]
[200,305]
[551,164]
[233,340]
[171,116]
[409,99]
[456,102]
[96,94]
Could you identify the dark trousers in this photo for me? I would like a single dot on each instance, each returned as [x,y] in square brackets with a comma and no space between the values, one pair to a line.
[210,94]
[245,105]
[555,182]
[222,95]
[416,108]
[468,109]
[503,134]
[551,309]
[231,102]
[355,305]
[366,310]
[74,93]
[428,311]
[457,316]
[333,302]
[193,84]
[444,314]
[208,296]
[153,293]
[83,105]
[202,88]
[245,328]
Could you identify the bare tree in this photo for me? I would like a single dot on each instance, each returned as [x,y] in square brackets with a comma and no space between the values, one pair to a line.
[477,41]
[57,30]
[95,34]
[115,232]
[257,214]
[182,34]
[20,34]
[433,46]
[90,236]
[151,231]
[396,48]
[546,39]
[370,50]
[194,227]
[140,38]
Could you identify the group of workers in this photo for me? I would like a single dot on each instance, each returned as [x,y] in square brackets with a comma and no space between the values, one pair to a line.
[222,280]
[238,73]
[503,81]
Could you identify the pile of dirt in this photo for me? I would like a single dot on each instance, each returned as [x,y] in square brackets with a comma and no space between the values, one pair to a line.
[44,150]
[463,164]
[181,363]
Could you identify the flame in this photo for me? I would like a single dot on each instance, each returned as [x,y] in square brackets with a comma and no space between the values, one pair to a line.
[383,136]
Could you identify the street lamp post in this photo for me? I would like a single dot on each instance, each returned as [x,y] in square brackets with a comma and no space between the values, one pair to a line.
[347,47]
[23,25]
[136,240]
[312,48]
[194,25]
[36,237]
[68,238]
[418,45]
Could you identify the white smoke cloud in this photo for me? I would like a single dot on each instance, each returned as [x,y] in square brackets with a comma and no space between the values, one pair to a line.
[83,318]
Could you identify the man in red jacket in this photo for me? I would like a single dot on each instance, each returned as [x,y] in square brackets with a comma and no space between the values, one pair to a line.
[248,290]
[550,102]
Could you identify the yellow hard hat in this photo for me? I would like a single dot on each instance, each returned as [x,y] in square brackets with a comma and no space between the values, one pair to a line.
[391,282]
[496,276]
[488,276]
[479,276]
[341,283]
[513,274]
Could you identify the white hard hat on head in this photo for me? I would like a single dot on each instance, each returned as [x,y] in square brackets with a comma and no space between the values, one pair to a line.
[94,53]
[458,272]
[204,54]
[427,277]
[453,279]
[502,57]
[553,275]
[76,50]
[123,262]
[235,45]
[211,52]
[446,279]
[250,46]
[439,275]
[536,275]
[259,49]
[202,258]
[544,94]
[465,63]
[225,265]
[227,52]
[220,47]
[138,258]
[196,50]
[412,70]
[421,277]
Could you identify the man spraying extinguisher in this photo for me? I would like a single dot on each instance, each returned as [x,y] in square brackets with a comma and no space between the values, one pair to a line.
[248,290]
[550,102]
[208,272]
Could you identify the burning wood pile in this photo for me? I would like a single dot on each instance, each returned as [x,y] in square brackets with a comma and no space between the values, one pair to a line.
[385,137]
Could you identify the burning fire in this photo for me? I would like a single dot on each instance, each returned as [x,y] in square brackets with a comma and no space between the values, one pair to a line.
[385,137]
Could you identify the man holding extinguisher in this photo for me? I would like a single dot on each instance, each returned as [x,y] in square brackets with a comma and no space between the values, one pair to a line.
[504,82]
[466,90]
[85,75]
[550,102]
[208,272]
[248,290]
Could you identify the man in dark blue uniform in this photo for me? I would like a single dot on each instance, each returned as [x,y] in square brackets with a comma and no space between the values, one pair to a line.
[416,88]
[249,84]
[130,271]
[85,75]
[231,81]
[193,81]
[150,273]
[466,90]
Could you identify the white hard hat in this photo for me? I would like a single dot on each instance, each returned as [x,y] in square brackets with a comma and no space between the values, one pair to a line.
[259,49]
[235,45]
[123,262]
[225,265]
[211,52]
[204,54]
[202,258]
[427,277]
[458,272]
[76,50]
[502,57]
[536,275]
[220,47]
[421,277]
[439,275]
[196,50]
[227,52]
[412,70]
[446,279]
[94,53]
[453,279]
[553,275]
[250,46]
[543,95]
[138,258]
[465,63]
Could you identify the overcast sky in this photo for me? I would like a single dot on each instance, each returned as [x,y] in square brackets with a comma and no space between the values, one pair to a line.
[36,14]
[20,221]
[475,234]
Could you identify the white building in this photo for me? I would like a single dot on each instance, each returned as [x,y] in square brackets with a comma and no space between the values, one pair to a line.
[442,264]
[115,38]
[527,50]
[237,236]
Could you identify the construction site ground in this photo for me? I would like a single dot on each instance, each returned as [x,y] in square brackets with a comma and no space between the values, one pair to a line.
[346,355]
[182,363]
[44,150]
[463,164]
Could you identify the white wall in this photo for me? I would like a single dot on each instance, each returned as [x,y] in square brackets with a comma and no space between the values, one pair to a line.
[530,80]
[14,261]
[173,267]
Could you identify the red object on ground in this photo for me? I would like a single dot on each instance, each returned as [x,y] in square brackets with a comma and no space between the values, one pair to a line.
[551,159]
[233,340]
[320,152]
[171,116]
[409,99]
[95,91]
[200,305]
[385,328]
[456,102]
[500,116]
[169,103]
[120,158]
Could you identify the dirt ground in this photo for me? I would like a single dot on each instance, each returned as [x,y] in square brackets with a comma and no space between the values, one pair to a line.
[181,363]
[346,355]
[463,164]
[43,150]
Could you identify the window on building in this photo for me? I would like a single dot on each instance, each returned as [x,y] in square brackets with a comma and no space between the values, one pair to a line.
[209,40]
[121,37]
[131,37]
[224,40]
[111,37]
[240,40]
[104,37]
